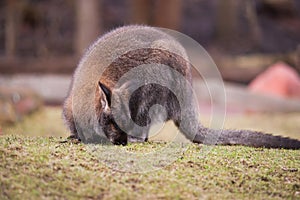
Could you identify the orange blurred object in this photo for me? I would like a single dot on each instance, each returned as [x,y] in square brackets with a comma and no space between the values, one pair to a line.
[279,80]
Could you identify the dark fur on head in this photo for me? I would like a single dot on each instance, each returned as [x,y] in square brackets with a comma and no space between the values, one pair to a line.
[105,117]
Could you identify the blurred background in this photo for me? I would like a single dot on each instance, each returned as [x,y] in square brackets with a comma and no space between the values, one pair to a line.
[254,43]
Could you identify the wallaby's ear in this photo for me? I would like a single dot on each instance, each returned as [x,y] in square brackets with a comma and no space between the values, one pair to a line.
[106,91]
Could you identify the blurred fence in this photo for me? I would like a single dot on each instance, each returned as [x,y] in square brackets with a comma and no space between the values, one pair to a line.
[50,36]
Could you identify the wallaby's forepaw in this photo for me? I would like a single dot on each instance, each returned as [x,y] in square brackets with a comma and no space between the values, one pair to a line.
[134,139]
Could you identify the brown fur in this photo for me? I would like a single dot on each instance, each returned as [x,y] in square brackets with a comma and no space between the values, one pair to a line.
[96,109]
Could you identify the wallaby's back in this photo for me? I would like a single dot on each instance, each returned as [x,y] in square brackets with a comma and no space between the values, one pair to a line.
[80,105]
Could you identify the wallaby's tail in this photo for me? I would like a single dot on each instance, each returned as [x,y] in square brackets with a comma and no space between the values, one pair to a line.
[244,137]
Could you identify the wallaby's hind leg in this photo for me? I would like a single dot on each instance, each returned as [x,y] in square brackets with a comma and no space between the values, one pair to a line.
[194,132]
[186,118]
[69,119]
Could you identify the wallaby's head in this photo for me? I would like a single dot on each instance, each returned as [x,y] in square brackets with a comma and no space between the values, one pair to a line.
[105,116]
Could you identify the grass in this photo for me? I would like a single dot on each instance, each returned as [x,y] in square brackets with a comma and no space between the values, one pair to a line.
[46,122]
[35,167]
[39,167]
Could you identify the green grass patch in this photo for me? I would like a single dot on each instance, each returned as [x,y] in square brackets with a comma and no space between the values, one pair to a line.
[43,167]
[34,164]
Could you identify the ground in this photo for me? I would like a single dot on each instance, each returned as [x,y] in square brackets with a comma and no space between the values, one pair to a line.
[34,167]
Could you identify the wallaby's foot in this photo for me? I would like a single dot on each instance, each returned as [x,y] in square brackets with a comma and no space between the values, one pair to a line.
[73,139]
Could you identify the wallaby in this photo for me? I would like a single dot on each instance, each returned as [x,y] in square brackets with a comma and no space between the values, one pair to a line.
[102,106]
